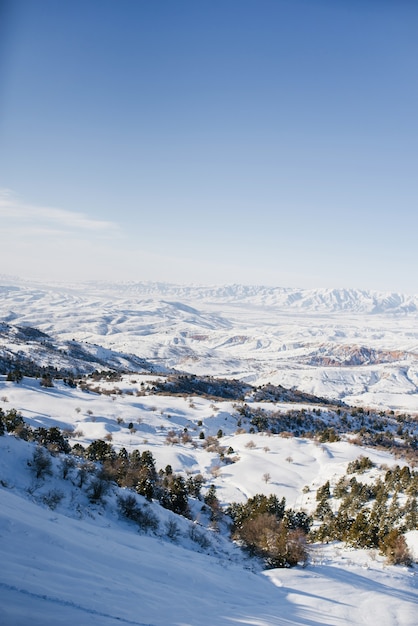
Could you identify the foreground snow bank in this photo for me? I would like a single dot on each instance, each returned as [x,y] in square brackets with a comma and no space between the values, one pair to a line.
[89,567]
[57,570]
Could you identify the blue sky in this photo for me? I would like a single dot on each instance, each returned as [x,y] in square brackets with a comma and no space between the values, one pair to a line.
[260,142]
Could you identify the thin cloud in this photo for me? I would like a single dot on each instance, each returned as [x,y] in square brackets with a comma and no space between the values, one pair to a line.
[12,208]
[45,243]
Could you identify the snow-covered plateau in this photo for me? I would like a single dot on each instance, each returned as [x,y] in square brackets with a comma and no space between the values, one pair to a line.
[69,555]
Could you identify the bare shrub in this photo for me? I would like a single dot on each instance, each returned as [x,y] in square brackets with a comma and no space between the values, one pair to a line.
[172,529]
[286,434]
[296,547]
[267,537]
[97,489]
[250,445]
[41,462]
[84,471]
[46,381]
[171,438]
[143,516]
[128,506]
[212,444]
[67,464]
[215,470]
[148,521]
[395,548]
[186,438]
[199,537]
[53,498]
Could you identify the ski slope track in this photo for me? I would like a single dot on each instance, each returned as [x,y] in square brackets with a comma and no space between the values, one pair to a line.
[356,346]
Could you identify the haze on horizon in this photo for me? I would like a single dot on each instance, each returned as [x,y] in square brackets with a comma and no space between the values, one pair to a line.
[271,142]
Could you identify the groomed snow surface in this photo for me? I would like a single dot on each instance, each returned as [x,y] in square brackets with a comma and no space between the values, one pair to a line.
[83,564]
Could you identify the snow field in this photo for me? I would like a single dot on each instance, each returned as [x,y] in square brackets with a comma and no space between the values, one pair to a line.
[82,563]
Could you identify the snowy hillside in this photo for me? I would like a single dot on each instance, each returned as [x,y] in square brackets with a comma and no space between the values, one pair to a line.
[235,393]
[70,558]
[359,347]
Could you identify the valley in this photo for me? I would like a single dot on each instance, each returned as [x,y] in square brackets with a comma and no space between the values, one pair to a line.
[354,346]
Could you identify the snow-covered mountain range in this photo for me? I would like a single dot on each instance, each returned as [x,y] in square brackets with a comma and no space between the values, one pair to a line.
[356,346]
[71,556]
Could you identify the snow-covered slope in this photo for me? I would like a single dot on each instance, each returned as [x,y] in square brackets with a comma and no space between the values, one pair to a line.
[360,347]
[29,349]
[65,560]
[56,570]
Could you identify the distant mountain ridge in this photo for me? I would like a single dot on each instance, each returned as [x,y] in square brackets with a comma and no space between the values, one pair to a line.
[301,299]
[322,299]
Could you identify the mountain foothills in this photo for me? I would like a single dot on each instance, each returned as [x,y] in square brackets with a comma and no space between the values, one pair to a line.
[194,456]
[355,346]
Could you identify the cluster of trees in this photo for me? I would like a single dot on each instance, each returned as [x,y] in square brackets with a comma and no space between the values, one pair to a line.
[134,470]
[52,438]
[369,515]
[263,525]
[206,386]
[372,514]
[268,530]
[137,471]
[15,375]
[277,393]
[299,422]
[399,433]
[46,376]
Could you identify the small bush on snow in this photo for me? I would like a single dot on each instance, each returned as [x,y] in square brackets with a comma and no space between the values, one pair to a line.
[143,516]
[199,537]
[41,463]
[53,498]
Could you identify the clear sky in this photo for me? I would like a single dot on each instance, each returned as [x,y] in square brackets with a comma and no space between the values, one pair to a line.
[265,142]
